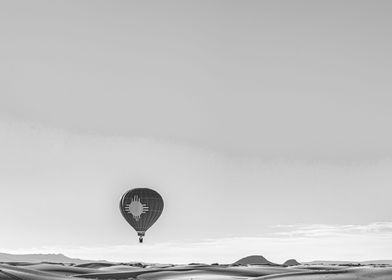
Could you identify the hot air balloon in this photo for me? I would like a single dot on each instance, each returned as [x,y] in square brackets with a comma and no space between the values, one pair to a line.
[141,208]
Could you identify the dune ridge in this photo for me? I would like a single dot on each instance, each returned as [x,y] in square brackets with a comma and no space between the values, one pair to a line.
[254,267]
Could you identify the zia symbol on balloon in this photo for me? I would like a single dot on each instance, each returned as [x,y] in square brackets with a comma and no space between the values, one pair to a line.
[136,208]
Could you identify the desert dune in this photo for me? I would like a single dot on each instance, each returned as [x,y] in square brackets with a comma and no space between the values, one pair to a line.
[252,268]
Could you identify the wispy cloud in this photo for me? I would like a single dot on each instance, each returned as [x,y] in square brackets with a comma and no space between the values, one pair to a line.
[324,230]
[304,242]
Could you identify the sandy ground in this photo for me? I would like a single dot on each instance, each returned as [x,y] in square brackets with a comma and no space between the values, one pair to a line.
[106,271]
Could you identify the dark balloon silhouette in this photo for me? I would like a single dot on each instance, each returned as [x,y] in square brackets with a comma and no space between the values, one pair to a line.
[141,208]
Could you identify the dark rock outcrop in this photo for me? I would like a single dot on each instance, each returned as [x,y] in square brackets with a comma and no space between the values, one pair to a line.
[291,262]
[255,260]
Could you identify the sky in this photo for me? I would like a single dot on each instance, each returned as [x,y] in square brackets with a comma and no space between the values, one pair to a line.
[264,125]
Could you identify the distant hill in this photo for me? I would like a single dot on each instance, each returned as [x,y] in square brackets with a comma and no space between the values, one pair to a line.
[318,262]
[291,262]
[377,262]
[36,258]
[389,262]
[260,260]
[255,259]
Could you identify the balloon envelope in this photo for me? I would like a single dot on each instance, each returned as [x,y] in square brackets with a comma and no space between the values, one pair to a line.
[141,208]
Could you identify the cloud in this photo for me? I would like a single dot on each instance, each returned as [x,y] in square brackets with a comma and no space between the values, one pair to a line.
[324,230]
[303,242]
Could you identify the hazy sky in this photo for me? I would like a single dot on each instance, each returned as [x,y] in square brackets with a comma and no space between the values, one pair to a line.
[265,125]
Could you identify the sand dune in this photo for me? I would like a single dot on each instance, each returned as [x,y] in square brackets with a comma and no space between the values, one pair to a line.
[21,273]
[61,269]
[362,273]
[95,264]
[120,267]
[120,271]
